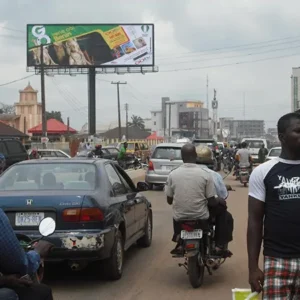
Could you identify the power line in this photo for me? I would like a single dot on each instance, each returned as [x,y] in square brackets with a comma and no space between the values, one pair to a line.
[230,64]
[12,29]
[231,47]
[234,56]
[16,80]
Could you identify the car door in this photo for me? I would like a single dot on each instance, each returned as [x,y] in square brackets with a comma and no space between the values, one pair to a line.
[3,150]
[141,207]
[120,196]
[16,152]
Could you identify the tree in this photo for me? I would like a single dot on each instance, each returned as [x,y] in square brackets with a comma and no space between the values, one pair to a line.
[136,121]
[7,109]
[54,115]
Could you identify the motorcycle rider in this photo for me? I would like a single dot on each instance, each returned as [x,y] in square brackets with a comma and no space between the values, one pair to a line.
[243,157]
[224,220]
[14,262]
[122,155]
[98,151]
[191,190]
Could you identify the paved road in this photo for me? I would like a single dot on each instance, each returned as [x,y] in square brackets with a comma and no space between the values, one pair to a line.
[152,273]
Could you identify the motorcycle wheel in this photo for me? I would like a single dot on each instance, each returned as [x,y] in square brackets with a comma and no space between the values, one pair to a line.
[195,272]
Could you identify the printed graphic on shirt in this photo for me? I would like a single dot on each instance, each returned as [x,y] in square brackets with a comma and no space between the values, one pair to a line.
[288,188]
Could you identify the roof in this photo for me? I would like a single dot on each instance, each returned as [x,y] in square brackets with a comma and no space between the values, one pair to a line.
[8,131]
[154,136]
[170,145]
[63,160]
[133,133]
[53,126]
[8,117]
[29,88]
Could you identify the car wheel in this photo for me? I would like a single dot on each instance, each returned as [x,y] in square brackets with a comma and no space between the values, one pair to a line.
[146,240]
[114,265]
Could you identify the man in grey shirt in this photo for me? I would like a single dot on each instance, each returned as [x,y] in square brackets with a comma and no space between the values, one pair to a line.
[244,156]
[190,189]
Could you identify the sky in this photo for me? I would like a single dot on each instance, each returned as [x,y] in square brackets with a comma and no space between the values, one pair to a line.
[246,48]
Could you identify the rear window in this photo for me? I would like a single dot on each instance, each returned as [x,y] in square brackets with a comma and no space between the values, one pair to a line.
[167,153]
[254,143]
[54,176]
[112,150]
[14,147]
[275,152]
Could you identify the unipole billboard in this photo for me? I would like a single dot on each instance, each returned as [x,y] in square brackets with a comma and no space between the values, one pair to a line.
[90,45]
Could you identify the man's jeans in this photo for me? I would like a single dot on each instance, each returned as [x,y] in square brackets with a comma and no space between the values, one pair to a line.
[8,294]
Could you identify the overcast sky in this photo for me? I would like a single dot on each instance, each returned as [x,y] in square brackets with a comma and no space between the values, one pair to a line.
[187,34]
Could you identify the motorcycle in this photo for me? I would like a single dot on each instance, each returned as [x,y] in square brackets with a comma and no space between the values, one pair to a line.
[198,245]
[244,175]
[46,228]
[228,163]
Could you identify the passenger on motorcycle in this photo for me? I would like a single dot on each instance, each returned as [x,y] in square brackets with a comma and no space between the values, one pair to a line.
[13,260]
[98,151]
[223,219]
[122,155]
[191,190]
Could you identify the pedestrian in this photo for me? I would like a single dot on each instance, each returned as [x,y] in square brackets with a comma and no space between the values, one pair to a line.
[262,153]
[273,216]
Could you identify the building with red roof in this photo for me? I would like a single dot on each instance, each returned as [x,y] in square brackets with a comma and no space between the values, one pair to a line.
[55,128]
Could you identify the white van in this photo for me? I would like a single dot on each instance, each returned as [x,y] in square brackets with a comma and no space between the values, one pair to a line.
[254,145]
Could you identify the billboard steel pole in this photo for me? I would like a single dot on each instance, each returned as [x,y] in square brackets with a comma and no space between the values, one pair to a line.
[119,107]
[92,101]
[43,98]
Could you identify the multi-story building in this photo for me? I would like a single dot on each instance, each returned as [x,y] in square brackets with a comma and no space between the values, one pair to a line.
[181,118]
[295,91]
[246,128]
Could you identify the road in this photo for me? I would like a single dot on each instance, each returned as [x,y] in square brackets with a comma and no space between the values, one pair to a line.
[152,273]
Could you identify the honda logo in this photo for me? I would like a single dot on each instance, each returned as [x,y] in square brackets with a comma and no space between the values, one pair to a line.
[29,202]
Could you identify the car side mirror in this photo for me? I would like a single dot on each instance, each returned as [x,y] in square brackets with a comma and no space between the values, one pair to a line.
[142,186]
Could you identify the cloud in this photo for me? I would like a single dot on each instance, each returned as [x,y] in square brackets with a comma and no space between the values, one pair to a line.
[183,30]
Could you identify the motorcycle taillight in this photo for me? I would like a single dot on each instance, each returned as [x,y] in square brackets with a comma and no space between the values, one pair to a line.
[187,227]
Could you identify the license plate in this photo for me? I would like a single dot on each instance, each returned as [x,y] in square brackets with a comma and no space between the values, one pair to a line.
[29,218]
[192,235]
[166,168]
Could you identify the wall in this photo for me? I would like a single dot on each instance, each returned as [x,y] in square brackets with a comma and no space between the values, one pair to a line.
[295,90]
[157,121]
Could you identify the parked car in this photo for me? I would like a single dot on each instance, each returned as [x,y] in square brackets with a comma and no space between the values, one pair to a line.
[99,212]
[215,149]
[164,159]
[51,153]
[273,153]
[13,150]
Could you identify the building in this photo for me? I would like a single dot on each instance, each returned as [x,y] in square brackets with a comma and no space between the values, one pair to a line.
[247,128]
[295,90]
[180,119]
[147,123]
[28,111]
[272,131]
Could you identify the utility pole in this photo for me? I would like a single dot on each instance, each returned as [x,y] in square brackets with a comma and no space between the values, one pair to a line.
[25,129]
[68,126]
[43,98]
[126,109]
[169,122]
[119,108]
[207,101]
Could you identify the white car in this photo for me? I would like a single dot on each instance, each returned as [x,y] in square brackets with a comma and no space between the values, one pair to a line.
[273,153]
[51,153]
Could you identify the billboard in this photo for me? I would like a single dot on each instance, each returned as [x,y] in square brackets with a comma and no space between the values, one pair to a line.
[91,45]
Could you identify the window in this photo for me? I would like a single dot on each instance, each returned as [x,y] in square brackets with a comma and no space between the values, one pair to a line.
[167,153]
[117,185]
[47,153]
[3,149]
[112,150]
[60,154]
[136,147]
[275,152]
[124,177]
[14,147]
[154,123]
[49,176]
[146,147]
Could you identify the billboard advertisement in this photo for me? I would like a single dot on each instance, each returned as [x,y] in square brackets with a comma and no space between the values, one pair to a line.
[91,45]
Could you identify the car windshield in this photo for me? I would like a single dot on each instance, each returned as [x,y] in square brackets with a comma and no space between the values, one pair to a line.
[254,143]
[203,144]
[49,176]
[275,152]
[167,153]
[112,150]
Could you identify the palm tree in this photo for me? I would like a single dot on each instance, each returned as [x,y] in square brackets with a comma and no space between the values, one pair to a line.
[136,121]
